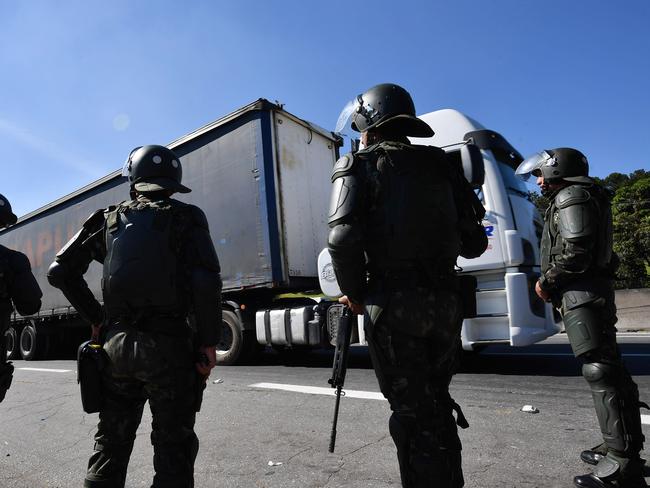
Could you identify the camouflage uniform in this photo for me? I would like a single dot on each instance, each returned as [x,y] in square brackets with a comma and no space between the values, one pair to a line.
[403,218]
[18,288]
[151,351]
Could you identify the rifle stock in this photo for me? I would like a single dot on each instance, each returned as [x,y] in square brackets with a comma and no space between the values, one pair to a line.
[339,368]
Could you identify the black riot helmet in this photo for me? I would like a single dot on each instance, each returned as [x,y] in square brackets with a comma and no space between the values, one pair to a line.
[562,163]
[7,217]
[154,168]
[388,107]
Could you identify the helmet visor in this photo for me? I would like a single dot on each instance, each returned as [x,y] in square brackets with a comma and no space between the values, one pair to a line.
[126,167]
[532,164]
[344,122]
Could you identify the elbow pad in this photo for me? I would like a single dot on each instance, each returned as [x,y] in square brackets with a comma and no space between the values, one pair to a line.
[56,275]
[344,236]
[89,227]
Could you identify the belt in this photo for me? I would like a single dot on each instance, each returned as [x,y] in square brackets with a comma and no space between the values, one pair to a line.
[170,325]
[409,279]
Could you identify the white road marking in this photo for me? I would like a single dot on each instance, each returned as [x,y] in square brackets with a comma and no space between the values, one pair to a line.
[47,370]
[645,419]
[316,390]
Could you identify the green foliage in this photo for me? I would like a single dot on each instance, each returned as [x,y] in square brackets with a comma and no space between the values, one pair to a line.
[631,216]
[631,220]
[540,201]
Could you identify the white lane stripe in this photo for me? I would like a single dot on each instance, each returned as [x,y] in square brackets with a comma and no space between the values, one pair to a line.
[316,390]
[368,395]
[47,370]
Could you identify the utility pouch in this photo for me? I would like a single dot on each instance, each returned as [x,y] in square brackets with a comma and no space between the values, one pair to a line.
[91,361]
[467,288]
[6,375]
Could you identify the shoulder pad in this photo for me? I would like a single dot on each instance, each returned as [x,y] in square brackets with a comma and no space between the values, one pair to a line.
[343,166]
[96,219]
[571,195]
[575,214]
[19,262]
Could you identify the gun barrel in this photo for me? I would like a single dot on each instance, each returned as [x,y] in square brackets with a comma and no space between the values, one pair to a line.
[336,419]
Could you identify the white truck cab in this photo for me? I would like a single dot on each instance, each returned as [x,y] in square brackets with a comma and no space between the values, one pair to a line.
[508,309]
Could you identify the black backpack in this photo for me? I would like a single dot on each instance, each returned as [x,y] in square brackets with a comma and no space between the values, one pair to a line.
[143,269]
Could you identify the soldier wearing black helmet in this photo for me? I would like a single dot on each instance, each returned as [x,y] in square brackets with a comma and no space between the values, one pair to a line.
[578,267]
[160,268]
[394,240]
[18,290]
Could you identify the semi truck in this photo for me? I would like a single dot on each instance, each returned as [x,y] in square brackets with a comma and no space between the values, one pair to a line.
[262,177]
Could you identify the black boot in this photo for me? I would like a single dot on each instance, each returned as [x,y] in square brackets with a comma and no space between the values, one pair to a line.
[591,457]
[593,481]
[608,474]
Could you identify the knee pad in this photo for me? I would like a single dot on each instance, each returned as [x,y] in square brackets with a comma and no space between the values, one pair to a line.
[599,374]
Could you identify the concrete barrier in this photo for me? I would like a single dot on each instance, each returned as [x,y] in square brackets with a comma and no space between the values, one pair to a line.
[633,309]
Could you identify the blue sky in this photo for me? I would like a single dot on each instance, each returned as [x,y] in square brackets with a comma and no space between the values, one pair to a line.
[82,82]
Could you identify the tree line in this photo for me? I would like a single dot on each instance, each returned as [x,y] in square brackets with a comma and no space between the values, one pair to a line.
[631,220]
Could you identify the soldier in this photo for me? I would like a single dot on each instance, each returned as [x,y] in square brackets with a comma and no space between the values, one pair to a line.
[578,268]
[18,288]
[160,267]
[394,240]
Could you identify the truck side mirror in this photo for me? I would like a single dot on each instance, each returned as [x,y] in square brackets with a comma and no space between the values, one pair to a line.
[473,165]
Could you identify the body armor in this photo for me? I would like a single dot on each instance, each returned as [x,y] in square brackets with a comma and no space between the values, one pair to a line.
[577,269]
[142,270]
[413,219]
[577,239]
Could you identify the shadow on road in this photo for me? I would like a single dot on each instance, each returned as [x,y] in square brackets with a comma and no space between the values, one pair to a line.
[546,360]
[542,360]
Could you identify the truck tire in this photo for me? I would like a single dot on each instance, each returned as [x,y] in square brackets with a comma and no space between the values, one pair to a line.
[11,338]
[231,345]
[33,343]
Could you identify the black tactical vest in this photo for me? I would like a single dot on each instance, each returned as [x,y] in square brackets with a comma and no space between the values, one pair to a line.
[412,217]
[143,271]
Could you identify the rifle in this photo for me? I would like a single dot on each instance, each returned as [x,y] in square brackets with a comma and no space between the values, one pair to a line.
[339,368]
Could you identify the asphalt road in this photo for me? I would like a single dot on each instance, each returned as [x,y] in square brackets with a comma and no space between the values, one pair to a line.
[247,422]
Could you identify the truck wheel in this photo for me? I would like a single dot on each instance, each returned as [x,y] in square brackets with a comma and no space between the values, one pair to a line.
[231,344]
[33,343]
[11,338]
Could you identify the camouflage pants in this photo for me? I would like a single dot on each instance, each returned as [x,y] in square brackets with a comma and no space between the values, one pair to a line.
[414,342]
[146,366]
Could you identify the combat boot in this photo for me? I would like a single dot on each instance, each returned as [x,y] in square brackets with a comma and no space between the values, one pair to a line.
[608,474]
[593,481]
[594,455]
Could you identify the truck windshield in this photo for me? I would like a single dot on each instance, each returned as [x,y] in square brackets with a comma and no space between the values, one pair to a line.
[512,183]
